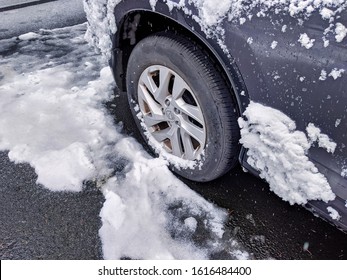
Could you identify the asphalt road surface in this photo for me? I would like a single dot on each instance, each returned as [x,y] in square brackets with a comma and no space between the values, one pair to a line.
[38,224]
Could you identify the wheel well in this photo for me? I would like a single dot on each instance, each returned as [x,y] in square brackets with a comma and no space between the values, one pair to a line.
[137,25]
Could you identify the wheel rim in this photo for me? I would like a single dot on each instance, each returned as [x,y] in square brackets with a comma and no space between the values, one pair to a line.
[171,112]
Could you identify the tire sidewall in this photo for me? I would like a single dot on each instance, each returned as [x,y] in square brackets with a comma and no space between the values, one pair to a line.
[194,73]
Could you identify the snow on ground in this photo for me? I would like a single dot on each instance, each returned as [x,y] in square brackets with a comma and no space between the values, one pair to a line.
[53,90]
[279,152]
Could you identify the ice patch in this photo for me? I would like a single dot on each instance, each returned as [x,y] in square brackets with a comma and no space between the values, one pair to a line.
[28,36]
[279,152]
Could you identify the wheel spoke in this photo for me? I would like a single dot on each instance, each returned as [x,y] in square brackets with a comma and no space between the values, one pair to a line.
[163,91]
[190,110]
[179,86]
[154,107]
[194,131]
[175,142]
[153,119]
[189,150]
[161,135]
[149,83]
[172,115]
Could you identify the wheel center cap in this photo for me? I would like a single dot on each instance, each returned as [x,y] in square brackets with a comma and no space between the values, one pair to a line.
[170,115]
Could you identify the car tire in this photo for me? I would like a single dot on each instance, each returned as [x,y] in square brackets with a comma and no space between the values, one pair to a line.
[176,90]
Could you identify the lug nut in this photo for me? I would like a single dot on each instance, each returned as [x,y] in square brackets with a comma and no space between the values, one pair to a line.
[167,102]
[177,111]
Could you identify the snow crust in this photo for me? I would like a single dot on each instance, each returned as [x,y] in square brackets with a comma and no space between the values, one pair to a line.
[53,92]
[279,152]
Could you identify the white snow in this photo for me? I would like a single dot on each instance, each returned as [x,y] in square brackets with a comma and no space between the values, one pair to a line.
[315,135]
[341,32]
[326,13]
[337,122]
[274,45]
[306,41]
[279,152]
[52,115]
[336,73]
[323,75]
[284,28]
[344,172]
[191,223]
[250,40]
[210,16]
[28,36]
[333,213]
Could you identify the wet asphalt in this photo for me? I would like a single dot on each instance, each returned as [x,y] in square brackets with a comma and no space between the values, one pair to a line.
[266,225]
[39,224]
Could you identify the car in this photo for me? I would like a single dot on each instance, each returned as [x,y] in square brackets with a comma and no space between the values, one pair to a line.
[260,83]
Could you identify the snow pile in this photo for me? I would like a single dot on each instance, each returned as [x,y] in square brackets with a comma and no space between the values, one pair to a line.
[279,152]
[53,91]
[52,117]
[150,214]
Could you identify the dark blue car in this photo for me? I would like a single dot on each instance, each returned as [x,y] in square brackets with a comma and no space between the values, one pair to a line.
[215,83]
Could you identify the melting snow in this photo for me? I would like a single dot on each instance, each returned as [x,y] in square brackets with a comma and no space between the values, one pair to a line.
[52,115]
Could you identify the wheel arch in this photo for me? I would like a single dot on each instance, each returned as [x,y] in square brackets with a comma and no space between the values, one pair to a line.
[140,23]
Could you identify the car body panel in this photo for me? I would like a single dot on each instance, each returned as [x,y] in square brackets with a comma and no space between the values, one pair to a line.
[285,77]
